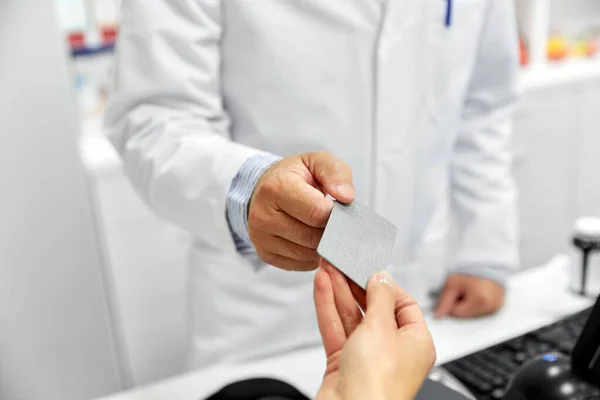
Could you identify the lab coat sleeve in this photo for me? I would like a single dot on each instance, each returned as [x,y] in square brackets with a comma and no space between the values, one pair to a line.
[483,189]
[166,116]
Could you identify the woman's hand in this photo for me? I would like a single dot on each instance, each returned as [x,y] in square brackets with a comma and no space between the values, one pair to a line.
[386,354]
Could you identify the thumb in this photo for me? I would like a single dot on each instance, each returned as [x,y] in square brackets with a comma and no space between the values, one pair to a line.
[333,175]
[381,300]
[468,307]
[447,300]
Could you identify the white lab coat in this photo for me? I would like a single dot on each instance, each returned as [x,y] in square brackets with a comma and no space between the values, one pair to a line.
[420,111]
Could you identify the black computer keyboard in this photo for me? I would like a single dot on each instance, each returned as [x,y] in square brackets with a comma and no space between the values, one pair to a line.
[487,373]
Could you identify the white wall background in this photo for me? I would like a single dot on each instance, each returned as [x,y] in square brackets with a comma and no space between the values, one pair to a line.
[571,16]
[75,15]
[55,337]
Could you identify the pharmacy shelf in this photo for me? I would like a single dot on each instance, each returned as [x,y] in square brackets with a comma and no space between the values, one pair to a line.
[559,73]
[101,158]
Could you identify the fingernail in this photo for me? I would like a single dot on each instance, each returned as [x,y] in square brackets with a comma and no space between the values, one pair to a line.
[384,277]
[345,190]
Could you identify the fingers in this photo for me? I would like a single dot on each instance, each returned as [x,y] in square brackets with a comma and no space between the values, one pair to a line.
[286,263]
[468,307]
[278,223]
[381,301]
[360,294]
[288,209]
[450,295]
[329,321]
[304,202]
[334,175]
[347,308]
[391,305]
[467,296]
[408,312]
[286,248]
[474,304]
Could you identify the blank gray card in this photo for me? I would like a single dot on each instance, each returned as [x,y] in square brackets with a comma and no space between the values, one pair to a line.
[357,241]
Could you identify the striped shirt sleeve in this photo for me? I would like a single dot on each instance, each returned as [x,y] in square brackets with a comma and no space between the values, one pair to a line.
[239,195]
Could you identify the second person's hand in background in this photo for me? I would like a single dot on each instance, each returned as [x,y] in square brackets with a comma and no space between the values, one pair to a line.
[469,296]
[289,210]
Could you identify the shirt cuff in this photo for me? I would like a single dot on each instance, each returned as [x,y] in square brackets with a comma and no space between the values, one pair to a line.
[238,198]
[496,273]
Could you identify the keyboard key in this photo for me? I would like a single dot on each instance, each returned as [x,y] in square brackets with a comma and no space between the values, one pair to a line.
[503,374]
[517,344]
[499,382]
[543,348]
[566,348]
[498,394]
[470,379]
[520,357]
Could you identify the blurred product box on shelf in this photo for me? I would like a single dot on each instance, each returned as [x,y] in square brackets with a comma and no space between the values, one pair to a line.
[92,41]
[561,47]
[523,52]
[91,61]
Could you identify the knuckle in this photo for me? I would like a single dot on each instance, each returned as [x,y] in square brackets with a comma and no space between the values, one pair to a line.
[261,254]
[308,266]
[257,220]
[485,300]
[268,258]
[314,238]
[253,215]
[268,188]
[317,215]
[342,170]
[324,154]
[349,317]
[254,236]
[341,166]
[308,254]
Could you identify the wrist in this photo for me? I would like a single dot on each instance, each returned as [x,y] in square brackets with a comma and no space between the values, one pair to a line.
[373,387]
[240,194]
[497,273]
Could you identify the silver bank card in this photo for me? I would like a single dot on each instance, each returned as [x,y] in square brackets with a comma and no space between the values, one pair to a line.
[357,241]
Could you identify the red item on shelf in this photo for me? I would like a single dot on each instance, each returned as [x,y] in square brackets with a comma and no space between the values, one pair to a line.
[76,40]
[109,33]
[524,53]
[107,37]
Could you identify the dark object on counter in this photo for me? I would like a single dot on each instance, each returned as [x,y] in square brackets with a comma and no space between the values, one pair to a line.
[273,389]
[487,373]
[436,391]
[520,362]
[258,389]
[549,377]
[588,245]
[585,357]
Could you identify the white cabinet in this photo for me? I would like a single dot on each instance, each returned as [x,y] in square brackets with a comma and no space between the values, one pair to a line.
[56,341]
[145,261]
[148,267]
[588,160]
[545,128]
[556,165]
